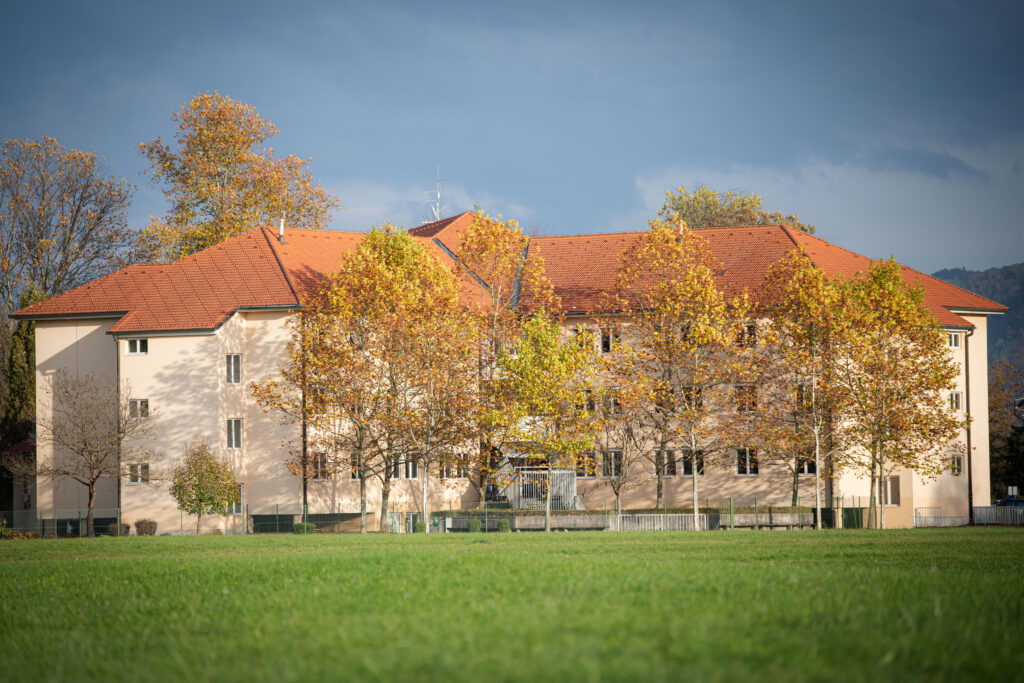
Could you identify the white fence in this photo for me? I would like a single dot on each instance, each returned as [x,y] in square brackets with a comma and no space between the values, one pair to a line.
[999,514]
[528,488]
[634,522]
[933,517]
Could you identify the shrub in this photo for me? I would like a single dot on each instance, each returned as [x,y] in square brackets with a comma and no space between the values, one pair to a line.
[145,527]
[503,524]
[474,526]
[304,528]
[122,529]
[419,527]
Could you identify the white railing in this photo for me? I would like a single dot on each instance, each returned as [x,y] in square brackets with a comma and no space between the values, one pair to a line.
[633,522]
[999,514]
[528,488]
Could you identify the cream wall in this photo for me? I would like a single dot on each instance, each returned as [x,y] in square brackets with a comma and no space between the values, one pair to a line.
[80,347]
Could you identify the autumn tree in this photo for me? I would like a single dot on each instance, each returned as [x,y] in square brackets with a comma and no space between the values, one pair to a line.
[513,286]
[63,222]
[19,409]
[707,208]
[689,341]
[95,432]
[540,386]
[1006,426]
[222,180]
[803,407]
[203,484]
[895,372]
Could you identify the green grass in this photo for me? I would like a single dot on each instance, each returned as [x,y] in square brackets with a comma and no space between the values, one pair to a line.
[943,604]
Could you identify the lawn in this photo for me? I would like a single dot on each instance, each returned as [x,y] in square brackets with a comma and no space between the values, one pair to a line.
[936,604]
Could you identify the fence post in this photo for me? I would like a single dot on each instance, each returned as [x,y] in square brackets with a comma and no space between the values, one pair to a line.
[79,523]
[757,527]
[732,515]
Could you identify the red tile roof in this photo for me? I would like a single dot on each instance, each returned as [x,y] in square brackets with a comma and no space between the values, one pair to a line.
[201,291]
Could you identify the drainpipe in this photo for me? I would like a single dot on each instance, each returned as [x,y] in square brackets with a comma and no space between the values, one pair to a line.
[967,404]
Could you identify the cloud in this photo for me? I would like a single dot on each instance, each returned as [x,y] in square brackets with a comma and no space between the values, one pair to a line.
[928,219]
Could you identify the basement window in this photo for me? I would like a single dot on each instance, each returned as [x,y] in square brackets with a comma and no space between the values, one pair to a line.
[138,347]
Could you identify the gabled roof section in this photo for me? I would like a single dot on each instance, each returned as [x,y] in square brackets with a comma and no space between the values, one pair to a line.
[198,292]
[448,231]
[940,297]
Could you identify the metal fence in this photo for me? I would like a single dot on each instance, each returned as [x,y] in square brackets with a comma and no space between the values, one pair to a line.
[930,517]
[656,522]
[528,488]
[65,523]
[999,514]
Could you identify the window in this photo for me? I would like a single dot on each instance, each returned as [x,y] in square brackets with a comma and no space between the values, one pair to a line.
[891,490]
[321,467]
[665,463]
[234,433]
[954,340]
[693,397]
[138,347]
[235,507]
[138,407]
[746,398]
[611,463]
[956,464]
[612,404]
[688,464]
[406,466]
[138,474]
[355,469]
[456,467]
[234,368]
[410,469]
[747,336]
[609,338]
[587,402]
[586,466]
[954,400]
[584,338]
[746,462]
[806,465]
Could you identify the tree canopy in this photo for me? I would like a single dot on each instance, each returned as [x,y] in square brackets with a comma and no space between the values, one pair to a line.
[707,208]
[222,180]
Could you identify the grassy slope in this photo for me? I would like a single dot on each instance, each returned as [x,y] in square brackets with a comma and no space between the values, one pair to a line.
[927,604]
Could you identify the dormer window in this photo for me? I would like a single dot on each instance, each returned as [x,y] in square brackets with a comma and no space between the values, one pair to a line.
[138,347]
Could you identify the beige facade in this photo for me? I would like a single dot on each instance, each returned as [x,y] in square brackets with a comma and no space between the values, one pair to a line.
[185,380]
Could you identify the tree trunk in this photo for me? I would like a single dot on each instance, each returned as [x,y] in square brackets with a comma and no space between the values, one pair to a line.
[696,500]
[796,482]
[385,494]
[661,487]
[199,520]
[817,481]
[547,500]
[423,487]
[362,500]
[91,515]
[882,483]
[874,488]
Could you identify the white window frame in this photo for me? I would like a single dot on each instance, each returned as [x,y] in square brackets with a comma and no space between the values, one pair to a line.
[609,459]
[411,468]
[954,340]
[138,408]
[746,454]
[138,474]
[956,464]
[234,368]
[237,508]
[956,401]
[806,467]
[663,460]
[235,433]
[701,470]
[321,465]
[141,345]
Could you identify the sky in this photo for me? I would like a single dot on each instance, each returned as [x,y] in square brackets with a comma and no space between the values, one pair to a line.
[895,128]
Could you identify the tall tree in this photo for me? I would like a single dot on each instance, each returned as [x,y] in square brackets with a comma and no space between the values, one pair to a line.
[513,286]
[1006,426]
[95,431]
[19,409]
[803,406]
[222,180]
[541,386]
[203,484]
[896,373]
[707,208]
[683,338]
[62,223]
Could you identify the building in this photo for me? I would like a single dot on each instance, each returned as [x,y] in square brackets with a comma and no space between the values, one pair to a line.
[189,337]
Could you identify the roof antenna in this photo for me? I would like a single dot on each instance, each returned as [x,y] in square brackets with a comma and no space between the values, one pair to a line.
[435,204]
[280,229]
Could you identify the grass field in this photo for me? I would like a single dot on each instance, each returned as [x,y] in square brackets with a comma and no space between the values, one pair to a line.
[942,604]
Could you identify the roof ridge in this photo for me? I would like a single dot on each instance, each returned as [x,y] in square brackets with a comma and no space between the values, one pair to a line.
[638,232]
[277,259]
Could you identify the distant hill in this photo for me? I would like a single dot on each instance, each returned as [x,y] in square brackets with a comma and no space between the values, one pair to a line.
[1006,286]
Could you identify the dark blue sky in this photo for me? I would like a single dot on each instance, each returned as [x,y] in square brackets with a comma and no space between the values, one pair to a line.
[896,128]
